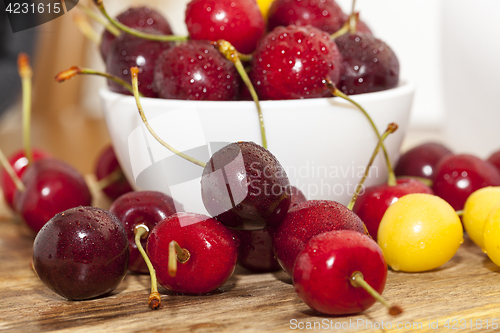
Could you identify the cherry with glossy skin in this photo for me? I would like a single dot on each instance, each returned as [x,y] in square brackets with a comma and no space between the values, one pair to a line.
[238,22]
[107,164]
[195,70]
[255,251]
[213,251]
[324,15]
[324,270]
[369,64]
[244,186]
[52,186]
[372,204]
[19,163]
[129,51]
[421,160]
[458,176]
[307,220]
[138,18]
[141,207]
[495,159]
[292,62]
[81,253]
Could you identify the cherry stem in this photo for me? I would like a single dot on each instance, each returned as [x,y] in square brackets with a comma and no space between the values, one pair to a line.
[86,29]
[26,73]
[228,51]
[137,33]
[93,15]
[353,18]
[391,128]
[391,178]
[460,213]
[154,301]
[135,72]
[13,175]
[358,280]
[111,178]
[176,254]
[75,70]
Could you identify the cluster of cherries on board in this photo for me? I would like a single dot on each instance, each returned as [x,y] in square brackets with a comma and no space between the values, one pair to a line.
[82,252]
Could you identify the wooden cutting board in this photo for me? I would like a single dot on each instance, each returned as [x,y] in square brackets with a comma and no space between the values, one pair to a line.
[463,293]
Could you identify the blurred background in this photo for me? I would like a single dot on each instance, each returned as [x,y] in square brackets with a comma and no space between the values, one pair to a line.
[448,48]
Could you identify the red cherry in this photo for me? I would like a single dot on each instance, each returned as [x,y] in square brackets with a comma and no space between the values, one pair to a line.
[139,18]
[244,186]
[369,64]
[81,253]
[324,15]
[495,159]
[238,22]
[255,252]
[19,162]
[196,70]
[307,220]
[324,269]
[107,164]
[292,62]
[457,176]
[128,51]
[52,186]
[372,204]
[421,160]
[212,249]
[297,196]
[141,207]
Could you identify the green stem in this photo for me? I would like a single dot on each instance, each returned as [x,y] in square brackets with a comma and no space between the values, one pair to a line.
[357,280]
[228,51]
[135,72]
[176,254]
[26,73]
[390,129]
[93,15]
[154,301]
[138,33]
[86,29]
[111,178]
[69,73]
[13,175]
[391,177]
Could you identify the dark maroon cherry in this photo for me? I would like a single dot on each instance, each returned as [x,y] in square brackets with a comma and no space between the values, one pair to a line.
[371,205]
[196,70]
[292,62]
[19,162]
[307,220]
[255,252]
[81,253]
[211,249]
[107,164]
[129,51]
[139,18]
[369,64]
[328,267]
[244,186]
[52,186]
[297,196]
[458,176]
[141,207]
[325,15]
[238,22]
[421,160]
[495,159]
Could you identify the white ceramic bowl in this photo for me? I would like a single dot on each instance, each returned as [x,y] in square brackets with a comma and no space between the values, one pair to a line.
[323,144]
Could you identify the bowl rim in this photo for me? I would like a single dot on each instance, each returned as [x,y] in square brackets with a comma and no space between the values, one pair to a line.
[405,87]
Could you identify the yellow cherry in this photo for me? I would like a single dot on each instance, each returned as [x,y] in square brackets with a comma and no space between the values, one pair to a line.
[476,210]
[491,235]
[419,232]
[264,7]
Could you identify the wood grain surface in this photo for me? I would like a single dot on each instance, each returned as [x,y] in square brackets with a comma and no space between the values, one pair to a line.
[466,289]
